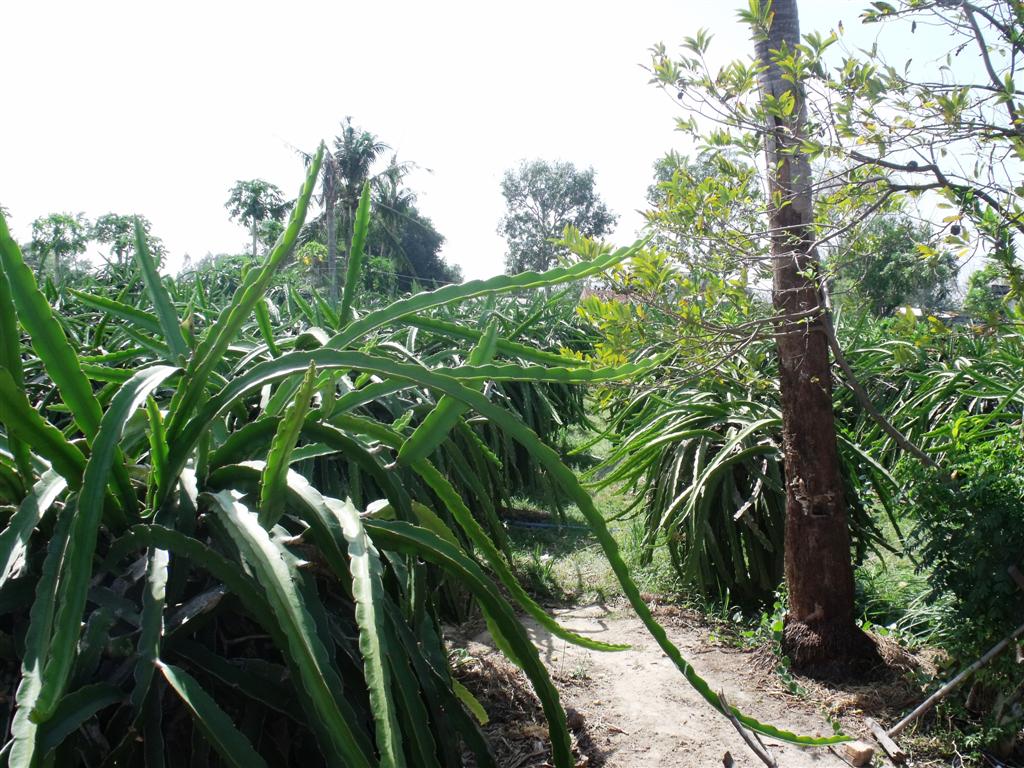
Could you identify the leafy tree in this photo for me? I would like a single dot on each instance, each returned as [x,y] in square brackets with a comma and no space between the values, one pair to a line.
[948,119]
[954,131]
[420,251]
[60,237]
[890,264]
[876,139]
[118,233]
[379,276]
[254,202]
[820,627]
[730,194]
[984,298]
[269,232]
[408,240]
[543,199]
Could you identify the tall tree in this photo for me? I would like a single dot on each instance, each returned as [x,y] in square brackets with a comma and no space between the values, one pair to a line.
[761,107]
[820,630]
[402,241]
[254,202]
[543,199]
[406,237]
[61,237]
[412,245]
[118,233]
[344,172]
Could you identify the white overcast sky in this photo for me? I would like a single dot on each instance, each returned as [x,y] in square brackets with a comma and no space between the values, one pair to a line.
[157,108]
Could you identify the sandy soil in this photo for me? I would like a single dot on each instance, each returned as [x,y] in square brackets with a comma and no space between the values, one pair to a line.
[633,709]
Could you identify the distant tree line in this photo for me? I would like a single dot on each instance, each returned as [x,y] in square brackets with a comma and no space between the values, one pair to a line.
[60,240]
[404,247]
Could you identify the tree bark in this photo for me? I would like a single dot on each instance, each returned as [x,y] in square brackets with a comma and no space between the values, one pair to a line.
[330,192]
[332,247]
[820,635]
[255,225]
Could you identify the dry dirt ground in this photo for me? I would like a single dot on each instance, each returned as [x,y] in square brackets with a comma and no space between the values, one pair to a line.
[633,709]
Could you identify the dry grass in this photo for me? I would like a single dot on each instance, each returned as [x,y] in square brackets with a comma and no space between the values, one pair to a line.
[516,729]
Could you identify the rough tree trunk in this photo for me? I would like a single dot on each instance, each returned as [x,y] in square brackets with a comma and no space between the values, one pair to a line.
[255,226]
[332,248]
[820,636]
[330,198]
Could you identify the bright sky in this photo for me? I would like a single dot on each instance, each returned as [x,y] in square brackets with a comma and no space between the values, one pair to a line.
[138,107]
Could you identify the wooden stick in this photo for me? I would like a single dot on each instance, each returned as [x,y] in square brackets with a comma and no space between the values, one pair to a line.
[892,749]
[944,691]
[1016,575]
[757,747]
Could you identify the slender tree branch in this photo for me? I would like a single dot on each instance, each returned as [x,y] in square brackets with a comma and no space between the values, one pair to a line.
[980,38]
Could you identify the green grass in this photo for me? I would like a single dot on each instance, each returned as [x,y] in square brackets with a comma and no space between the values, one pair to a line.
[895,596]
[564,564]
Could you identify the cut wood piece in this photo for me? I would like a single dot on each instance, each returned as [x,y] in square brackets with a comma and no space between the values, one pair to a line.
[892,749]
[858,753]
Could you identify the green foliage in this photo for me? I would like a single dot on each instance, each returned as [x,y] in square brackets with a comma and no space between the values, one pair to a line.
[708,212]
[543,199]
[883,132]
[983,299]
[890,264]
[969,530]
[379,278]
[894,598]
[60,238]
[255,202]
[402,250]
[705,459]
[418,256]
[228,552]
[117,232]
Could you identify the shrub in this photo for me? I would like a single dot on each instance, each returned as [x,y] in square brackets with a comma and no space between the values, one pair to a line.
[968,531]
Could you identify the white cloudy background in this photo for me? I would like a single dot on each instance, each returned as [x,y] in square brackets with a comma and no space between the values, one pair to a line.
[137,107]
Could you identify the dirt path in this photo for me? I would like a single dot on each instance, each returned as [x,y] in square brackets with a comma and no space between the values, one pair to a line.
[637,711]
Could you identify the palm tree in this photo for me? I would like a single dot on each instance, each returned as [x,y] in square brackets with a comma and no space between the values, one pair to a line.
[395,203]
[354,161]
[345,171]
